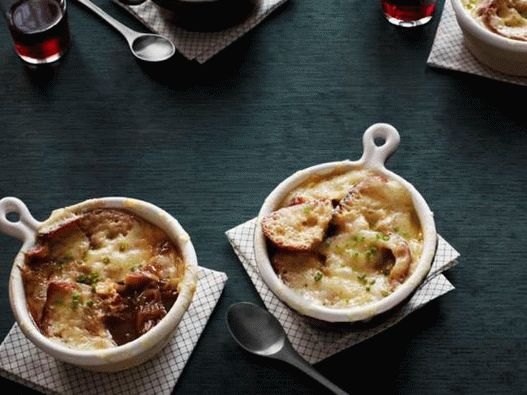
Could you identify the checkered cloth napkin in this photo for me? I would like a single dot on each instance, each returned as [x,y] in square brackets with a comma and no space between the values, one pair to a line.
[24,363]
[449,51]
[316,343]
[200,46]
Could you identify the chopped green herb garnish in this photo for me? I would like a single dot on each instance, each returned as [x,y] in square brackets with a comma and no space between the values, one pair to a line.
[89,303]
[93,287]
[75,299]
[88,279]
[358,239]
[106,260]
[123,246]
[371,251]
[318,276]
[384,293]
[382,236]
[369,284]
[307,210]
[362,278]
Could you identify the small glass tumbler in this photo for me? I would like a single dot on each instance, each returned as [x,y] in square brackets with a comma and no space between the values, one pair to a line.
[39,29]
[408,13]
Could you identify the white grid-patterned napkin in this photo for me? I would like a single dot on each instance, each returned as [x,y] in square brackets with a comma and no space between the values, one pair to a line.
[200,46]
[449,51]
[24,363]
[316,343]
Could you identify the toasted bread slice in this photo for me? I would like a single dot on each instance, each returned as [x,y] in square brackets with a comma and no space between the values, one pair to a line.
[300,227]
[297,269]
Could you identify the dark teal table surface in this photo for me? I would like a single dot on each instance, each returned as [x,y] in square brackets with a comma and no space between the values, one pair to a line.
[209,142]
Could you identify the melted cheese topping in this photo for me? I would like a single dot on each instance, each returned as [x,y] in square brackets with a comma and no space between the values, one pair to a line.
[372,246]
[507,18]
[333,187]
[71,321]
[100,268]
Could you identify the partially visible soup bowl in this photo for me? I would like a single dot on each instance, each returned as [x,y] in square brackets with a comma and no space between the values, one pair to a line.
[116,358]
[208,15]
[498,52]
[373,159]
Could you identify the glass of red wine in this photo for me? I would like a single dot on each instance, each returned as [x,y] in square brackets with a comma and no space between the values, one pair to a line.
[408,13]
[39,29]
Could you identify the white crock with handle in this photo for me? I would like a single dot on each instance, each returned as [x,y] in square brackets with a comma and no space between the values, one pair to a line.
[373,158]
[113,359]
[493,50]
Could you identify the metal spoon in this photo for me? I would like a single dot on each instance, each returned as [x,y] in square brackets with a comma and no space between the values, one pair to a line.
[145,46]
[259,332]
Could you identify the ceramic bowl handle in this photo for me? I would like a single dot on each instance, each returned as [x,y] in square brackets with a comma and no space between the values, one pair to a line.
[25,227]
[374,155]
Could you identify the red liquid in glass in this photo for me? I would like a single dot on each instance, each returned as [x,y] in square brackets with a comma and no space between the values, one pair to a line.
[39,29]
[409,10]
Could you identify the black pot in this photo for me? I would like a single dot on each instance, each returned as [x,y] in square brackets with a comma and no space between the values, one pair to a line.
[208,15]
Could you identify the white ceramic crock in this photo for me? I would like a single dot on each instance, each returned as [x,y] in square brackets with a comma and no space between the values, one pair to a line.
[497,52]
[373,159]
[116,358]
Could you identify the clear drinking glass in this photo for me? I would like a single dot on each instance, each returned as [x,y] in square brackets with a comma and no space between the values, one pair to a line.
[39,28]
[408,13]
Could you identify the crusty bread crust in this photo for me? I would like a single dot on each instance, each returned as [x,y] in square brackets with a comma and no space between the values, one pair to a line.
[300,227]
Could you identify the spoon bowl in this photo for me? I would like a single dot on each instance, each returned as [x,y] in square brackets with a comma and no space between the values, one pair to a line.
[147,47]
[259,332]
[152,48]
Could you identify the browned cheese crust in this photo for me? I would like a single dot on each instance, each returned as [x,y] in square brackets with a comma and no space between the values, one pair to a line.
[102,279]
[353,254]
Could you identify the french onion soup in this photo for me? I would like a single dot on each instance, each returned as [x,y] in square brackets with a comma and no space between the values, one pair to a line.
[101,279]
[508,18]
[345,239]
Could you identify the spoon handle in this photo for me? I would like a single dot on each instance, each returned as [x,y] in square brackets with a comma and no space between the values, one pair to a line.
[128,33]
[289,355]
